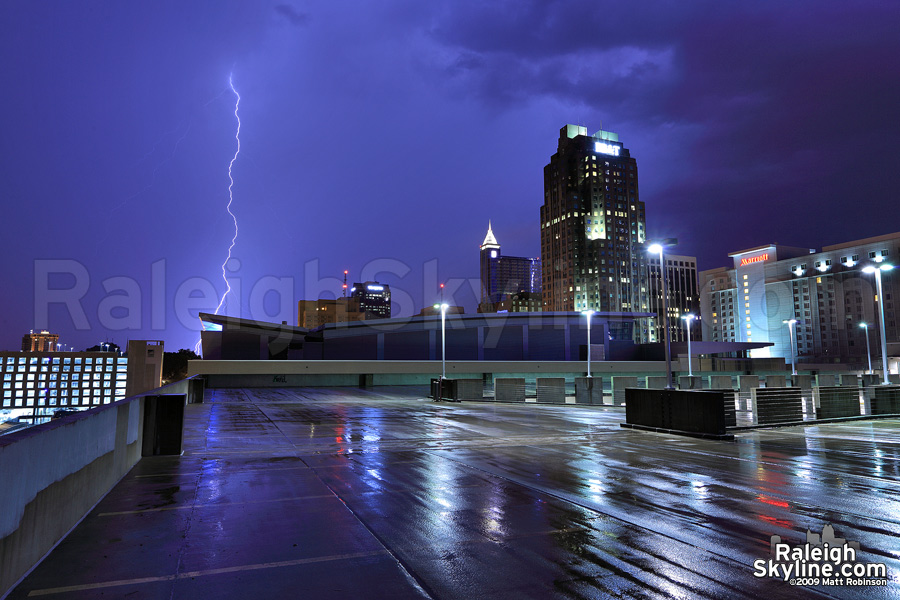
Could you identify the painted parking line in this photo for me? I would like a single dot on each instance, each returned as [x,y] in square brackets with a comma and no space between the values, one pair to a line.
[209,505]
[192,574]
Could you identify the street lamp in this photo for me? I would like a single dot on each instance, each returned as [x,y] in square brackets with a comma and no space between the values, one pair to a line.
[877,270]
[588,314]
[865,326]
[443,307]
[790,323]
[659,248]
[687,325]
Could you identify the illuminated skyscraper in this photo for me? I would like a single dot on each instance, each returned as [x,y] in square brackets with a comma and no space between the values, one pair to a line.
[593,227]
[374,299]
[503,277]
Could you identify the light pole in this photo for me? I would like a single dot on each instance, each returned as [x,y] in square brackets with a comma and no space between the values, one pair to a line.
[687,325]
[588,314]
[443,308]
[865,326]
[884,358]
[790,323]
[659,248]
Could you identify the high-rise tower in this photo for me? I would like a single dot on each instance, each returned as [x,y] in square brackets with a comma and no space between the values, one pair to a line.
[593,227]
[503,277]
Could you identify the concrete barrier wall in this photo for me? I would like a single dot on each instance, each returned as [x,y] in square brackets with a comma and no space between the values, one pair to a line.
[869,380]
[60,470]
[720,382]
[686,382]
[657,382]
[589,390]
[776,381]
[469,389]
[748,382]
[551,390]
[63,468]
[851,379]
[802,381]
[729,400]
[834,401]
[429,368]
[829,380]
[694,411]
[777,405]
[886,400]
[509,389]
[619,384]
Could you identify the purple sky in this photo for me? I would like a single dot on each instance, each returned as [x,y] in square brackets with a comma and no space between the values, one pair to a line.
[384,135]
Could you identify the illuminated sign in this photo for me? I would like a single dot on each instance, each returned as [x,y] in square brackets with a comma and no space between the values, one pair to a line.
[375,288]
[610,149]
[754,259]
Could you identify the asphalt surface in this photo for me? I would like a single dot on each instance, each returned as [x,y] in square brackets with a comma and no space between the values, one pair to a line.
[344,493]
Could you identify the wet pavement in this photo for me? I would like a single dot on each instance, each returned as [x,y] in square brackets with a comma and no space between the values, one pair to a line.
[344,493]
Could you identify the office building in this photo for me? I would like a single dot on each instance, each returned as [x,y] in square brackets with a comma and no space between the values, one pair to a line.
[519,302]
[683,298]
[505,276]
[374,299]
[42,341]
[37,384]
[593,227]
[315,313]
[826,292]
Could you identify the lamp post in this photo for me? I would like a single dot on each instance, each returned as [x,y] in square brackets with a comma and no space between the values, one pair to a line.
[865,326]
[687,325]
[443,308]
[790,323]
[588,314]
[659,248]
[877,270]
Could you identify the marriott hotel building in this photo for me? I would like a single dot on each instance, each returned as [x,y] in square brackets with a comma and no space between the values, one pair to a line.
[827,293]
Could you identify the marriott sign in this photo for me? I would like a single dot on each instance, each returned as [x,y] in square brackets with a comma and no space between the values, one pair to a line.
[754,259]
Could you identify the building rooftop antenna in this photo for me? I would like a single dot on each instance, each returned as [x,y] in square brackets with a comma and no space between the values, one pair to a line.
[345,283]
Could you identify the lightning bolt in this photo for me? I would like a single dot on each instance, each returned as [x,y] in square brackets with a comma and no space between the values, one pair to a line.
[237,137]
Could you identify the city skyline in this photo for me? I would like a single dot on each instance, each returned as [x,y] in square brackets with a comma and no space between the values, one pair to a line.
[385,137]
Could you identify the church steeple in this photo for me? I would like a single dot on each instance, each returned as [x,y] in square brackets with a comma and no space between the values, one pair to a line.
[489,240]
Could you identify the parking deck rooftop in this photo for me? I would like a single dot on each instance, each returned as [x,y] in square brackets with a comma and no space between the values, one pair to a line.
[346,493]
